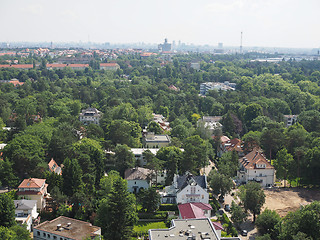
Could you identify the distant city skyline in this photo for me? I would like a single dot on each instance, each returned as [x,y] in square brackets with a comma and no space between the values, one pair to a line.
[268,23]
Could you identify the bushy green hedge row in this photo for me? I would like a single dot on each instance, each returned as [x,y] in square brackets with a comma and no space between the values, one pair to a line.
[168,207]
[227,224]
[156,215]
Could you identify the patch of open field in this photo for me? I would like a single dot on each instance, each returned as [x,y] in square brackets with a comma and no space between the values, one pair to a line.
[284,200]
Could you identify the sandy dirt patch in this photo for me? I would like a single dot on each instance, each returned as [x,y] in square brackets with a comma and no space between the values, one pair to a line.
[284,200]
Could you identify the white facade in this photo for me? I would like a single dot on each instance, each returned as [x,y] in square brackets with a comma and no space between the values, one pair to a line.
[186,189]
[135,186]
[205,87]
[90,116]
[25,212]
[192,193]
[290,120]
[255,167]
[264,176]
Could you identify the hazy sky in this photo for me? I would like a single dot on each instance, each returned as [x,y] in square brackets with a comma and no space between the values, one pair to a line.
[273,23]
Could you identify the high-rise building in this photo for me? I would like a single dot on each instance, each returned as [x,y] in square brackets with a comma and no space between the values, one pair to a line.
[165,47]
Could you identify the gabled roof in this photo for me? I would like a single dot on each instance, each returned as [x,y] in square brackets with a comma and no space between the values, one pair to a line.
[193,210]
[233,144]
[54,167]
[32,183]
[250,160]
[185,180]
[188,211]
[137,173]
[24,204]
[108,64]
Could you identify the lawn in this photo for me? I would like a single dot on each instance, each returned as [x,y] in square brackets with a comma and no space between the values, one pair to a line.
[145,226]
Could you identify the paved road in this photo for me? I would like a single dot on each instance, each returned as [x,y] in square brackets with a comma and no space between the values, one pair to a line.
[207,169]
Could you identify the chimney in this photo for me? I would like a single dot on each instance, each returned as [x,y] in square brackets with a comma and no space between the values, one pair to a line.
[58,227]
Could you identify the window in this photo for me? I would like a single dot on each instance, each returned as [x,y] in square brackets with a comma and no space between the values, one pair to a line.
[49,236]
[44,234]
[38,233]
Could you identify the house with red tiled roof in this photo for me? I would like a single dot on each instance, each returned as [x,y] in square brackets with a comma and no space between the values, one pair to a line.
[109,66]
[54,167]
[255,167]
[18,66]
[34,189]
[194,210]
[234,144]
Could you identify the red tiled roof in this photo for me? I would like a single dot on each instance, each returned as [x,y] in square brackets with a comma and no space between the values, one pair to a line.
[217,226]
[224,139]
[193,210]
[250,160]
[234,144]
[32,183]
[16,82]
[108,64]
[23,66]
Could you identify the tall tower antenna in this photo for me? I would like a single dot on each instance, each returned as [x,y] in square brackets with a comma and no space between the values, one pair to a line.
[241,44]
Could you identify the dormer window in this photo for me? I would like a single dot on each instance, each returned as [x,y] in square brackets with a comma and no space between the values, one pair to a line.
[260,165]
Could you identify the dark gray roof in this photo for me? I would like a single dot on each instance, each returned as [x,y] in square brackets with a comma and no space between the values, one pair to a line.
[184,180]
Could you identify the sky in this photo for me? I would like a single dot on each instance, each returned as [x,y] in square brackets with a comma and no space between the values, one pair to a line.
[267,23]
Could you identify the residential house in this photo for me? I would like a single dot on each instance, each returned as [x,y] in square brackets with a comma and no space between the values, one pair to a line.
[138,154]
[138,178]
[64,228]
[2,145]
[109,66]
[194,210]
[208,86]
[26,212]
[186,189]
[190,229]
[210,123]
[234,144]
[151,140]
[162,121]
[289,120]
[255,167]
[34,189]
[54,167]
[90,116]
[195,66]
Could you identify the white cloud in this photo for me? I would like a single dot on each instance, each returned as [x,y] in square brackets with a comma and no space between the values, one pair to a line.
[224,6]
[35,9]
[69,15]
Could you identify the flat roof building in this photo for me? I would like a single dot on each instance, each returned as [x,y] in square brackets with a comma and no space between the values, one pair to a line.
[63,228]
[187,229]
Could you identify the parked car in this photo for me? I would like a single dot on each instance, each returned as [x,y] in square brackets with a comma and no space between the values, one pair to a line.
[221,199]
[244,233]
[227,208]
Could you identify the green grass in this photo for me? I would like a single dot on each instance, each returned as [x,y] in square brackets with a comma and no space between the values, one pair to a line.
[145,226]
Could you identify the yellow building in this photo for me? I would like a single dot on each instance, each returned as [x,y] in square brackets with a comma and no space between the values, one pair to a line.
[34,189]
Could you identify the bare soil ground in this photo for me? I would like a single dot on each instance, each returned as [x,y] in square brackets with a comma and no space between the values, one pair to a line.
[284,200]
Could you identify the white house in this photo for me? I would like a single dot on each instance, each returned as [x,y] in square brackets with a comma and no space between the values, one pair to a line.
[138,178]
[90,116]
[186,189]
[290,120]
[138,154]
[25,212]
[255,167]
